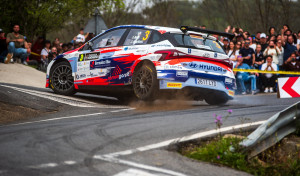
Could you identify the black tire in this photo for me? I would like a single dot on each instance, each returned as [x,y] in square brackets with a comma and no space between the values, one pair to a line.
[216,98]
[145,83]
[61,79]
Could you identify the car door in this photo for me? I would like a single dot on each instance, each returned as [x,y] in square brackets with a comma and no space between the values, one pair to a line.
[95,60]
[135,46]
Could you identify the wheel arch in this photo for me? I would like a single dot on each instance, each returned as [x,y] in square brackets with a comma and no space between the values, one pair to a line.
[141,63]
[58,61]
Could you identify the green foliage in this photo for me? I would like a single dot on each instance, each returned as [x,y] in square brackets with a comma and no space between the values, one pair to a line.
[218,151]
[37,17]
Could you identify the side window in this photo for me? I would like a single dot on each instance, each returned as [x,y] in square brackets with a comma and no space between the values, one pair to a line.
[109,39]
[156,37]
[137,37]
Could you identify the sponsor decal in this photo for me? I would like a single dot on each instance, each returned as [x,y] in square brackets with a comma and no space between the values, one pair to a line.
[181,73]
[83,66]
[228,80]
[130,48]
[80,76]
[206,55]
[189,50]
[193,65]
[168,67]
[100,63]
[205,67]
[174,85]
[88,56]
[161,45]
[121,76]
[230,92]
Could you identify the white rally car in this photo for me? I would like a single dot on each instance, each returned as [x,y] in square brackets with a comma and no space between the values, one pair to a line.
[147,62]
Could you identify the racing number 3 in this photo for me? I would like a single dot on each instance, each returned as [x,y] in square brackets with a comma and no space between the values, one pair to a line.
[146,35]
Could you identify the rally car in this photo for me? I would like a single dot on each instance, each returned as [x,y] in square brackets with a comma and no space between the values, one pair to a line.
[147,62]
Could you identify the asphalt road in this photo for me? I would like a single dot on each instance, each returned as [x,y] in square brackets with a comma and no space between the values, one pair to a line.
[93,135]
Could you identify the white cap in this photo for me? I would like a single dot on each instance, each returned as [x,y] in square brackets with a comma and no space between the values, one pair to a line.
[263,35]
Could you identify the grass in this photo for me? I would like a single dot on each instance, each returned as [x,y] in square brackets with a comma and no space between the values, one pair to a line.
[218,151]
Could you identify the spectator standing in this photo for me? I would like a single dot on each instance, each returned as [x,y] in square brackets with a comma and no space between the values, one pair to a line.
[80,37]
[289,48]
[226,44]
[269,79]
[298,40]
[36,49]
[273,51]
[263,41]
[237,49]
[3,46]
[70,46]
[279,37]
[52,54]
[45,52]
[280,56]
[257,37]
[231,52]
[271,32]
[247,53]
[57,44]
[285,27]
[252,43]
[259,57]
[243,77]
[292,64]
[64,48]
[16,42]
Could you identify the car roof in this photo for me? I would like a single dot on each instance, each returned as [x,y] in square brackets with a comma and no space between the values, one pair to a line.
[158,28]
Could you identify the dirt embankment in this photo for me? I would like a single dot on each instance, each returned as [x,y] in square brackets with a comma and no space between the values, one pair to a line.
[21,74]
[12,109]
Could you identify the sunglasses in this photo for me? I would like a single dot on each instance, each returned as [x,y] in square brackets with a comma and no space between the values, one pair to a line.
[247,42]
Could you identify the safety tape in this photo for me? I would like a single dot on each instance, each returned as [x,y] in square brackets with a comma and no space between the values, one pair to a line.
[262,71]
[33,53]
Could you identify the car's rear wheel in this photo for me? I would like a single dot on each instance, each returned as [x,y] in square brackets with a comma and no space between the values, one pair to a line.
[216,98]
[145,83]
[61,79]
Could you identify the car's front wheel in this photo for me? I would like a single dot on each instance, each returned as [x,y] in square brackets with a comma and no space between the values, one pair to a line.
[145,83]
[61,79]
[216,98]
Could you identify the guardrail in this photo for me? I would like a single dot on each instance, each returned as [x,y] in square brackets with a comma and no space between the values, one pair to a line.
[273,130]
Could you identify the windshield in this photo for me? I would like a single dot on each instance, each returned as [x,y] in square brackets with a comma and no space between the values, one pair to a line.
[196,41]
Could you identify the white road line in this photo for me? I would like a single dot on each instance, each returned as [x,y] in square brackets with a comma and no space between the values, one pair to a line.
[69,162]
[182,139]
[121,110]
[63,99]
[58,118]
[138,165]
[41,166]
[134,172]
[68,117]
[112,157]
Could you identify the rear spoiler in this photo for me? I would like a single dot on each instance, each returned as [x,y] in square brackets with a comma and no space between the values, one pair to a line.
[184,29]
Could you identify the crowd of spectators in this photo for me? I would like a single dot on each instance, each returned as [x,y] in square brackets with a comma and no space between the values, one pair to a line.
[268,52]
[15,46]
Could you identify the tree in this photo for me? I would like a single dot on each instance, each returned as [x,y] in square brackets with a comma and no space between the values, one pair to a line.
[37,17]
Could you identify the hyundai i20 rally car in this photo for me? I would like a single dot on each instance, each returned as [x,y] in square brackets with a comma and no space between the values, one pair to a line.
[146,62]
